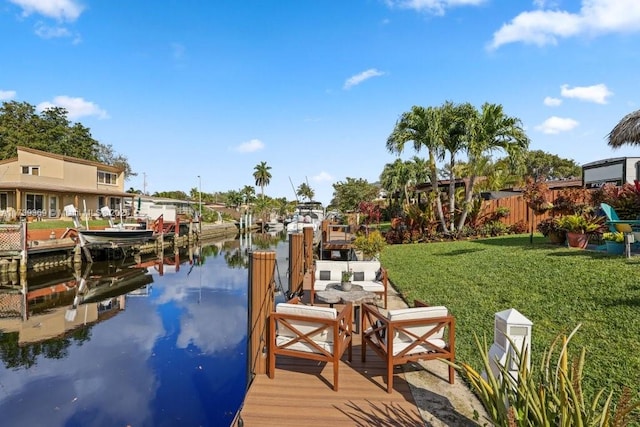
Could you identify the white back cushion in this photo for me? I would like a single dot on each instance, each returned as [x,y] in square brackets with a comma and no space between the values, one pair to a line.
[418,313]
[305,327]
[369,268]
[335,267]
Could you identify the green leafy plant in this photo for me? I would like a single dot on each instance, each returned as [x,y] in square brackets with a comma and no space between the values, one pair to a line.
[552,396]
[346,276]
[371,243]
[581,223]
[615,236]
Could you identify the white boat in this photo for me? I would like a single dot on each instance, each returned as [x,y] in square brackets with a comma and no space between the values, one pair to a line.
[307,214]
[114,234]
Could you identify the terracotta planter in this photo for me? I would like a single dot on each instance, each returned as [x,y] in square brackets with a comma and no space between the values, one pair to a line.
[577,240]
[557,237]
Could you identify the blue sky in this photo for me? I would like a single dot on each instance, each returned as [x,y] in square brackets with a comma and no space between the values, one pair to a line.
[188,88]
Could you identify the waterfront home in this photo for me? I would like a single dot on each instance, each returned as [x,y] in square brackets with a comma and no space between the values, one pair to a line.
[38,184]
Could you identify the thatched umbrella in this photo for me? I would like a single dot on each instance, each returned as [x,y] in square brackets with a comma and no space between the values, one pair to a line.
[627,131]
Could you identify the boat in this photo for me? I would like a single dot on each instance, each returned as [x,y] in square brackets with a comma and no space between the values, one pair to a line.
[115,234]
[307,214]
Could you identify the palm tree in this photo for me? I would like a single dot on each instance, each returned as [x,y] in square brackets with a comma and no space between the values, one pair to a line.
[453,125]
[395,177]
[490,130]
[304,190]
[423,127]
[262,176]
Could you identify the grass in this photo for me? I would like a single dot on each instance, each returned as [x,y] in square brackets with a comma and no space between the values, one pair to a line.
[44,225]
[555,287]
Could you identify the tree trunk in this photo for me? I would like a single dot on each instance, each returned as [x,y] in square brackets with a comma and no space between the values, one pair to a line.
[452,196]
[467,202]
[436,190]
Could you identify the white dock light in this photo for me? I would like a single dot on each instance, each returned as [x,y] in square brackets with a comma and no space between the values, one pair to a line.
[512,324]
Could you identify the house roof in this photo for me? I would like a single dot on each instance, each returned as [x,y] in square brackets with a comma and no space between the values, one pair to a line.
[53,188]
[70,159]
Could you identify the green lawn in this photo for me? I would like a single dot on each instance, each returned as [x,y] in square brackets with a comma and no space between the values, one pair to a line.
[555,287]
[42,225]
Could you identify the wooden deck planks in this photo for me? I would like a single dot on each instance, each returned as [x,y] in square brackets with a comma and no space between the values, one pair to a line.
[301,394]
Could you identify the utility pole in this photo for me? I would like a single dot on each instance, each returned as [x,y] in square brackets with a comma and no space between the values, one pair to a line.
[144,183]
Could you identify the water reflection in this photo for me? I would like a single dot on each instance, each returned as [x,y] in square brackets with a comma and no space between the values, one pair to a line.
[142,341]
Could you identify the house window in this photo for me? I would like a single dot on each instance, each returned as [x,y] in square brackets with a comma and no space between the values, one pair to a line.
[107,178]
[3,201]
[31,170]
[34,204]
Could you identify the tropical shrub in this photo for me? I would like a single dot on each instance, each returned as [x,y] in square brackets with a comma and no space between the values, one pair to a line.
[371,243]
[581,223]
[552,396]
[614,236]
[519,227]
[549,225]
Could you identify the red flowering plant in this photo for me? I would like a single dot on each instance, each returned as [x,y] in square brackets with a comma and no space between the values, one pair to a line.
[536,194]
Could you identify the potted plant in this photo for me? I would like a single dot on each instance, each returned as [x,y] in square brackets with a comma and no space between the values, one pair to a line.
[614,242]
[578,228]
[370,244]
[550,228]
[345,280]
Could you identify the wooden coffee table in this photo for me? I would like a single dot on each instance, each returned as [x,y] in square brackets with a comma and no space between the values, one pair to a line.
[333,294]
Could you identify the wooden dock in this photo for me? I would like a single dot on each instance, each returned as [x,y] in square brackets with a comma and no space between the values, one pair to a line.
[301,394]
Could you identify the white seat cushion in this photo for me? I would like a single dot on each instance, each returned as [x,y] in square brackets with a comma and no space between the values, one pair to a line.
[305,327]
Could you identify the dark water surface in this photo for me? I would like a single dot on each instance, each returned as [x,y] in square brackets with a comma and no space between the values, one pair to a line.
[129,346]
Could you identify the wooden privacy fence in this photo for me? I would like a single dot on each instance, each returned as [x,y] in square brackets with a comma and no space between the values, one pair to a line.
[518,209]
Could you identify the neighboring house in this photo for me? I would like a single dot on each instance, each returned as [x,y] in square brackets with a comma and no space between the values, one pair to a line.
[152,207]
[40,184]
[617,171]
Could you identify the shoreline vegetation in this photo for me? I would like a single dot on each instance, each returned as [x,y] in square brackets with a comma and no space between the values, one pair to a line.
[555,287]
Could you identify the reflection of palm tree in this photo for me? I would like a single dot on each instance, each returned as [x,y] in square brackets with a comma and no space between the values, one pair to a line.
[235,259]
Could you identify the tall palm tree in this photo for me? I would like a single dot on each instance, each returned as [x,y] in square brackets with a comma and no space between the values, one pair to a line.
[490,130]
[453,125]
[262,176]
[304,190]
[422,126]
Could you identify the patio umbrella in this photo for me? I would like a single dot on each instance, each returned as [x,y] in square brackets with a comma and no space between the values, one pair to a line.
[627,131]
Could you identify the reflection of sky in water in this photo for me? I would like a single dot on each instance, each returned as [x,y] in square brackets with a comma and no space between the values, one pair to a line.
[177,357]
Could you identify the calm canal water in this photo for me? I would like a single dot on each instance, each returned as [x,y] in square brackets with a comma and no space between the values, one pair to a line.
[121,344]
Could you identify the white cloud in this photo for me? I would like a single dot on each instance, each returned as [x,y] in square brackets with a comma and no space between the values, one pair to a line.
[7,94]
[322,177]
[436,7]
[596,93]
[359,78]
[552,102]
[554,125]
[595,17]
[250,146]
[76,107]
[63,10]
[47,32]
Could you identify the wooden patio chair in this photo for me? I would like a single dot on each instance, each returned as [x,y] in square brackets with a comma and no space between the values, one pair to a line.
[310,332]
[418,334]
